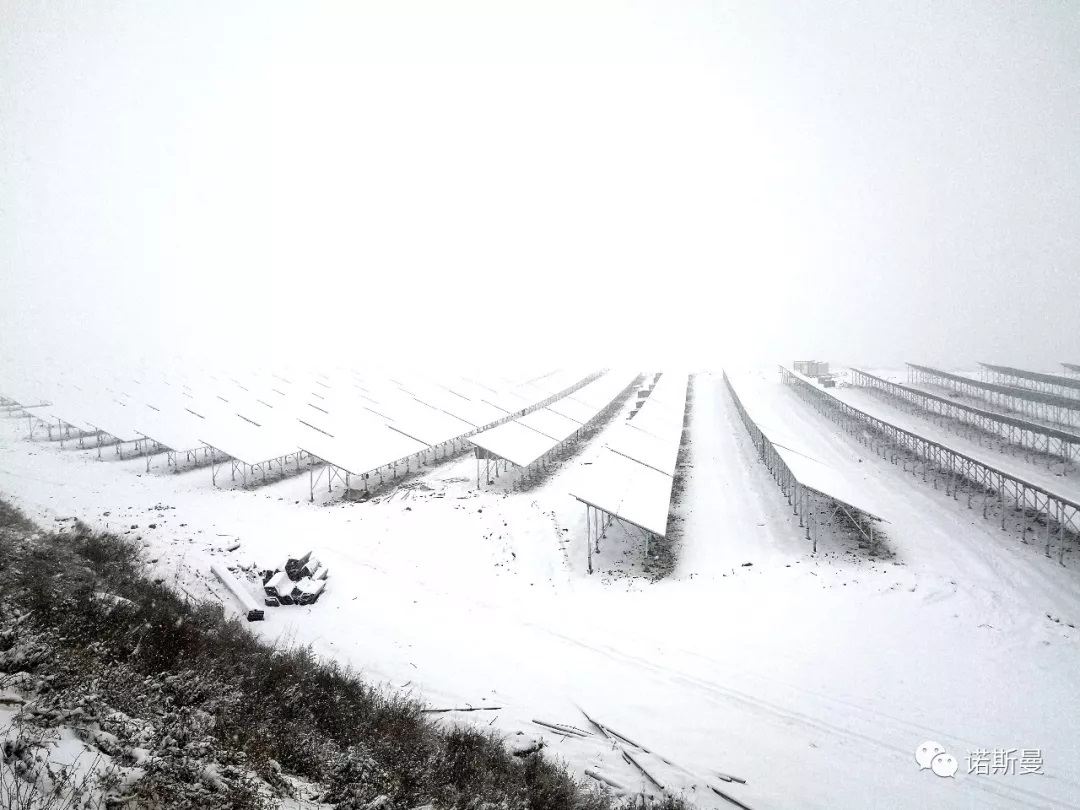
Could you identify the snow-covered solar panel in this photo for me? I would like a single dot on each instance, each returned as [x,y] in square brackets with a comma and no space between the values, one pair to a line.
[663,425]
[633,478]
[573,409]
[96,409]
[514,442]
[247,443]
[554,383]
[360,453]
[425,423]
[549,427]
[511,402]
[670,391]
[645,448]
[800,459]
[627,489]
[473,412]
[557,427]
[599,393]
[26,392]
[176,429]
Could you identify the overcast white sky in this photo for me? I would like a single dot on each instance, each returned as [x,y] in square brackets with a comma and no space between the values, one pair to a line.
[651,183]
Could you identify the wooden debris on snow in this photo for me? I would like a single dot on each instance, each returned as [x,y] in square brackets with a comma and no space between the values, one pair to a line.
[611,782]
[297,581]
[247,601]
[618,739]
[570,731]
[294,566]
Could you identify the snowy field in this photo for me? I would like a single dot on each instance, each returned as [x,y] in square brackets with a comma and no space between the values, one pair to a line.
[813,677]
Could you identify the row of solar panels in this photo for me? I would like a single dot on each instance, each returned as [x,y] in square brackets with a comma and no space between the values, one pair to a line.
[530,437]
[633,476]
[357,423]
[764,403]
[950,380]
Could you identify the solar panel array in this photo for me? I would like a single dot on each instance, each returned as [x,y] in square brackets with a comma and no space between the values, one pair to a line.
[357,423]
[1038,381]
[796,454]
[528,438]
[633,476]
[956,380]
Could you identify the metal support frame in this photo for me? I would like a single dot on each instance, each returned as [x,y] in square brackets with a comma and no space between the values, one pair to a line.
[1045,443]
[15,410]
[806,502]
[257,471]
[1033,405]
[172,457]
[598,521]
[937,462]
[450,449]
[63,430]
[1067,387]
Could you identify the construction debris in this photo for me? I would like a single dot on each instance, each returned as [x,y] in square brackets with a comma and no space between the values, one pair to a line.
[570,731]
[307,591]
[297,581]
[247,601]
[620,742]
[293,567]
[279,585]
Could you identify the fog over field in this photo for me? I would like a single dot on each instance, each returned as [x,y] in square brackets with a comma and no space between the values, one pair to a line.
[427,181]
[390,414]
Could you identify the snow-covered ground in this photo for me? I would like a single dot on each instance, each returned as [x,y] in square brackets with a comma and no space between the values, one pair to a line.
[812,677]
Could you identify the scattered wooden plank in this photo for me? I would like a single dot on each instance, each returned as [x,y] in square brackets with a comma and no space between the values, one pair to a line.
[568,730]
[470,709]
[607,780]
[253,610]
[729,798]
[727,777]
[626,754]
[615,736]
